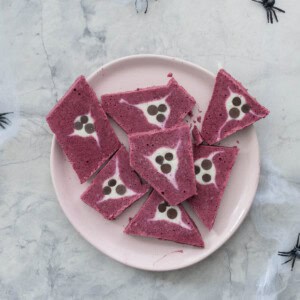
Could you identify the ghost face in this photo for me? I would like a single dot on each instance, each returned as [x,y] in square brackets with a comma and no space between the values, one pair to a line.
[236,106]
[166,212]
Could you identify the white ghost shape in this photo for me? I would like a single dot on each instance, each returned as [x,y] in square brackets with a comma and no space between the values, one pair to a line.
[82,132]
[160,111]
[165,153]
[113,183]
[163,215]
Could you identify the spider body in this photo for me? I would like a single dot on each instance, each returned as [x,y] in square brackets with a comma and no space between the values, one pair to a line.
[4,121]
[293,254]
[270,9]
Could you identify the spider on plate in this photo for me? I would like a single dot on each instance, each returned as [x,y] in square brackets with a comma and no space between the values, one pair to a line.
[270,8]
[293,254]
[4,121]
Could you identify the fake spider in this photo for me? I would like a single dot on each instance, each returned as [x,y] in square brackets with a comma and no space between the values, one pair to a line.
[293,254]
[270,8]
[4,121]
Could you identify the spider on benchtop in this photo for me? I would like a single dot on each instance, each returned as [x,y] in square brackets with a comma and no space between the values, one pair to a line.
[4,121]
[293,254]
[270,8]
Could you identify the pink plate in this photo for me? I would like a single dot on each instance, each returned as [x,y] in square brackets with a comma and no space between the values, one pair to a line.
[149,254]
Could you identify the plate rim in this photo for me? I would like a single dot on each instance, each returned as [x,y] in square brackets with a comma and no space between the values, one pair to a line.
[217,245]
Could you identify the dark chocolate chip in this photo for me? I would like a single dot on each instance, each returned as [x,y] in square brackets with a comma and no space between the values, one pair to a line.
[169,156]
[206,178]
[162,107]
[166,168]
[159,159]
[106,190]
[172,213]
[89,128]
[121,189]
[152,110]
[236,101]
[197,170]
[245,108]
[112,182]
[160,118]
[78,125]
[162,207]
[234,113]
[84,119]
[206,164]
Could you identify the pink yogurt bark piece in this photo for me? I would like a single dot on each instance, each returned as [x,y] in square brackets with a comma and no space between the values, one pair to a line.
[82,129]
[231,108]
[157,219]
[212,168]
[115,187]
[151,108]
[164,158]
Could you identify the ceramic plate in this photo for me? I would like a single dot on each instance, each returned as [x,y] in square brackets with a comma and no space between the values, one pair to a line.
[145,253]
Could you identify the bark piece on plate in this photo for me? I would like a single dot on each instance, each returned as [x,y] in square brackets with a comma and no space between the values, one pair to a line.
[164,158]
[82,129]
[150,108]
[231,108]
[213,166]
[158,219]
[115,187]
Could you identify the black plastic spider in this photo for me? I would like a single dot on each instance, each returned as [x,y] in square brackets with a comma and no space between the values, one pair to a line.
[293,254]
[4,121]
[270,8]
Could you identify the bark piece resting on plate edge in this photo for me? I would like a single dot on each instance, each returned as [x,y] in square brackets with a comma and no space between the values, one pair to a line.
[231,108]
[164,158]
[82,129]
[158,219]
[150,108]
[213,166]
[115,187]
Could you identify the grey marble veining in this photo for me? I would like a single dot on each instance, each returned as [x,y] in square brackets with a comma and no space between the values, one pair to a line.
[46,44]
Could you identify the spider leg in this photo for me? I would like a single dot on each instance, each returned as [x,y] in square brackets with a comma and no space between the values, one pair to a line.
[146,7]
[293,263]
[298,240]
[284,254]
[281,10]
[268,17]
[288,260]
[258,1]
[271,16]
[273,11]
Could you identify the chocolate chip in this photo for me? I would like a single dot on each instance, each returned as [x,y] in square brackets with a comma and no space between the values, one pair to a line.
[245,108]
[106,190]
[197,170]
[152,110]
[84,119]
[159,159]
[172,213]
[121,189]
[169,156]
[112,182]
[166,168]
[162,107]
[206,178]
[236,101]
[162,207]
[160,118]
[206,164]
[234,113]
[78,125]
[89,128]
